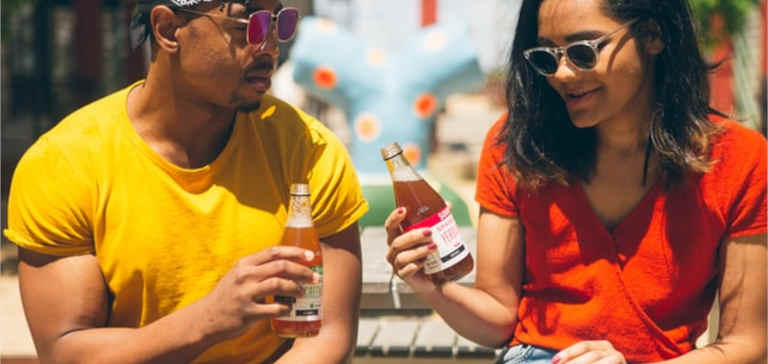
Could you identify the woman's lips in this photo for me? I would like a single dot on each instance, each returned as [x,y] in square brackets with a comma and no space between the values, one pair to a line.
[580,98]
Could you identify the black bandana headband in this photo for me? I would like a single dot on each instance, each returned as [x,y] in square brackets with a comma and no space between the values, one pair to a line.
[140,26]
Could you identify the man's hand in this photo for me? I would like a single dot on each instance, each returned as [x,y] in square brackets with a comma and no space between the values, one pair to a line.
[588,352]
[239,298]
[342,284]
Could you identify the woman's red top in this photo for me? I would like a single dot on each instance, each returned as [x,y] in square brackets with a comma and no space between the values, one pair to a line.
[647,285]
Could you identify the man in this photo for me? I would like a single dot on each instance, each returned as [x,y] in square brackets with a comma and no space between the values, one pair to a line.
[148,221]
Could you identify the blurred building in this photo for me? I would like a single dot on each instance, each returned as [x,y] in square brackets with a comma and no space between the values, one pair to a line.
[386,23]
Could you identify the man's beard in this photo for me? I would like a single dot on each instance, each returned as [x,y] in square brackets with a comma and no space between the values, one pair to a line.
[241,104]
[249,107]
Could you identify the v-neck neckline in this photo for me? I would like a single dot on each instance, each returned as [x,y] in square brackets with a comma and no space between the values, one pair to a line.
[640,206]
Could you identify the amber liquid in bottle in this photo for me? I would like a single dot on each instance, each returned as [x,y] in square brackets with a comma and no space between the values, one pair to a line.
[425,208]
[305,319]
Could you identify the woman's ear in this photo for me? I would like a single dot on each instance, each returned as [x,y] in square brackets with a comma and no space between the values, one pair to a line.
[652,37]
[164,25]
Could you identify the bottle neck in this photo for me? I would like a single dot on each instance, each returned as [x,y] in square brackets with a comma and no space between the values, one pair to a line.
[401,170]
[299,212]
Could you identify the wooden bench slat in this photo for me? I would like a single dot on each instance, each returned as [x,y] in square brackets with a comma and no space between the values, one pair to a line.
[366,331]
[434,339]
[376,270]
[394,338]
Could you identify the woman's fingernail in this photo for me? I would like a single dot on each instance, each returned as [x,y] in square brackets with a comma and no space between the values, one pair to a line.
[309,255]
[432,245]
[428,232]
[400,210]
[556,359]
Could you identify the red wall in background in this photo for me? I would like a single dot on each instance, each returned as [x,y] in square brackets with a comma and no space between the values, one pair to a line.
[89,49]
[721,81]
[428,12]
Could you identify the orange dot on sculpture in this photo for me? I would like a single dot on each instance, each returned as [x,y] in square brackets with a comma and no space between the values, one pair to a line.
[325,78]
[425,105]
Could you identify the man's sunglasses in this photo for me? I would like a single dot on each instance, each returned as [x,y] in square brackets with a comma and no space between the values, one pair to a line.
[259,23]
[582,54]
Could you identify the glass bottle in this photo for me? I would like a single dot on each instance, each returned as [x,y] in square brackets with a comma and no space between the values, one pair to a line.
[305,317]
[425,208]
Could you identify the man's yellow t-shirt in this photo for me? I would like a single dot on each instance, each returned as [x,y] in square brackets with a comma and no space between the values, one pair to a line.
[165,235]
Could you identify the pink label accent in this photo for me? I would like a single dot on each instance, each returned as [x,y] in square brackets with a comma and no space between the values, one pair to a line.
[432,220]
[445,234]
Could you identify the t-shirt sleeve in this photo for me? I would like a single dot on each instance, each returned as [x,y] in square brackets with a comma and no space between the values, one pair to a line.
[49,209]
[337,198]
[747,215]
[495,182]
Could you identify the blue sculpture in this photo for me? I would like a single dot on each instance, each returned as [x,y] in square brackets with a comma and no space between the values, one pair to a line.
[387,96]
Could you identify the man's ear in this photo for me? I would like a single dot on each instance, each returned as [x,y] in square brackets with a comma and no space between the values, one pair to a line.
[652,37]
[164,25]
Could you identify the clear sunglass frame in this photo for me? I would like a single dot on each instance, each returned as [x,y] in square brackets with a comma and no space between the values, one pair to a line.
[558,52]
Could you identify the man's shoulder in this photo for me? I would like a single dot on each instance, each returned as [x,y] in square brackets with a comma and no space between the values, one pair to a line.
[85,130]
[91,121]
[279,117]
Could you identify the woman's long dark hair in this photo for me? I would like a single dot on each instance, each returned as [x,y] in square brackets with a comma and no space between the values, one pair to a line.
[543,145]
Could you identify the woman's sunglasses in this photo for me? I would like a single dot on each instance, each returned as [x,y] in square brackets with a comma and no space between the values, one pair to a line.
[582,54]
[259,23]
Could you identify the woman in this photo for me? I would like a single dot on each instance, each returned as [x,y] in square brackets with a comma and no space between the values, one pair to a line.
[614,201]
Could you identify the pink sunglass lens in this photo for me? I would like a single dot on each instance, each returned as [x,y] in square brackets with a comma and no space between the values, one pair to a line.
[258,26]
[286,23]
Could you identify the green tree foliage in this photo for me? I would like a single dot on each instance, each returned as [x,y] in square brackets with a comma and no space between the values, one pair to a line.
[734,13]
[7,10]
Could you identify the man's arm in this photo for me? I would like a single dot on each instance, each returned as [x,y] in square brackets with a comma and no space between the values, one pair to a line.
[65,302]
[342,283]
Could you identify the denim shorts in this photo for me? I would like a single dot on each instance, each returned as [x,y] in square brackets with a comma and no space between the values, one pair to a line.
[526,354]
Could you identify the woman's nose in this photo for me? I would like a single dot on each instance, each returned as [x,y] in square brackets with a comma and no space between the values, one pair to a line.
[565,69]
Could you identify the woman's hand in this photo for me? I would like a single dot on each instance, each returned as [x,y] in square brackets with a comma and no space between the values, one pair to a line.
[407,252]
[588,352]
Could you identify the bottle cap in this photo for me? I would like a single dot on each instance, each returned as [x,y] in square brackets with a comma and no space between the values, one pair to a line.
[391,150]
[299,189]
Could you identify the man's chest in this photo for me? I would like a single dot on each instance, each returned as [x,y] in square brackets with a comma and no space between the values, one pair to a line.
[154,225]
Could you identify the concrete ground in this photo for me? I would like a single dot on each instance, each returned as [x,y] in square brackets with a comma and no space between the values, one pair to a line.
[15,340]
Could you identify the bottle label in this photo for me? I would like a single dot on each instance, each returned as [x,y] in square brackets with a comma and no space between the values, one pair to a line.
[450,249]
[307,307]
